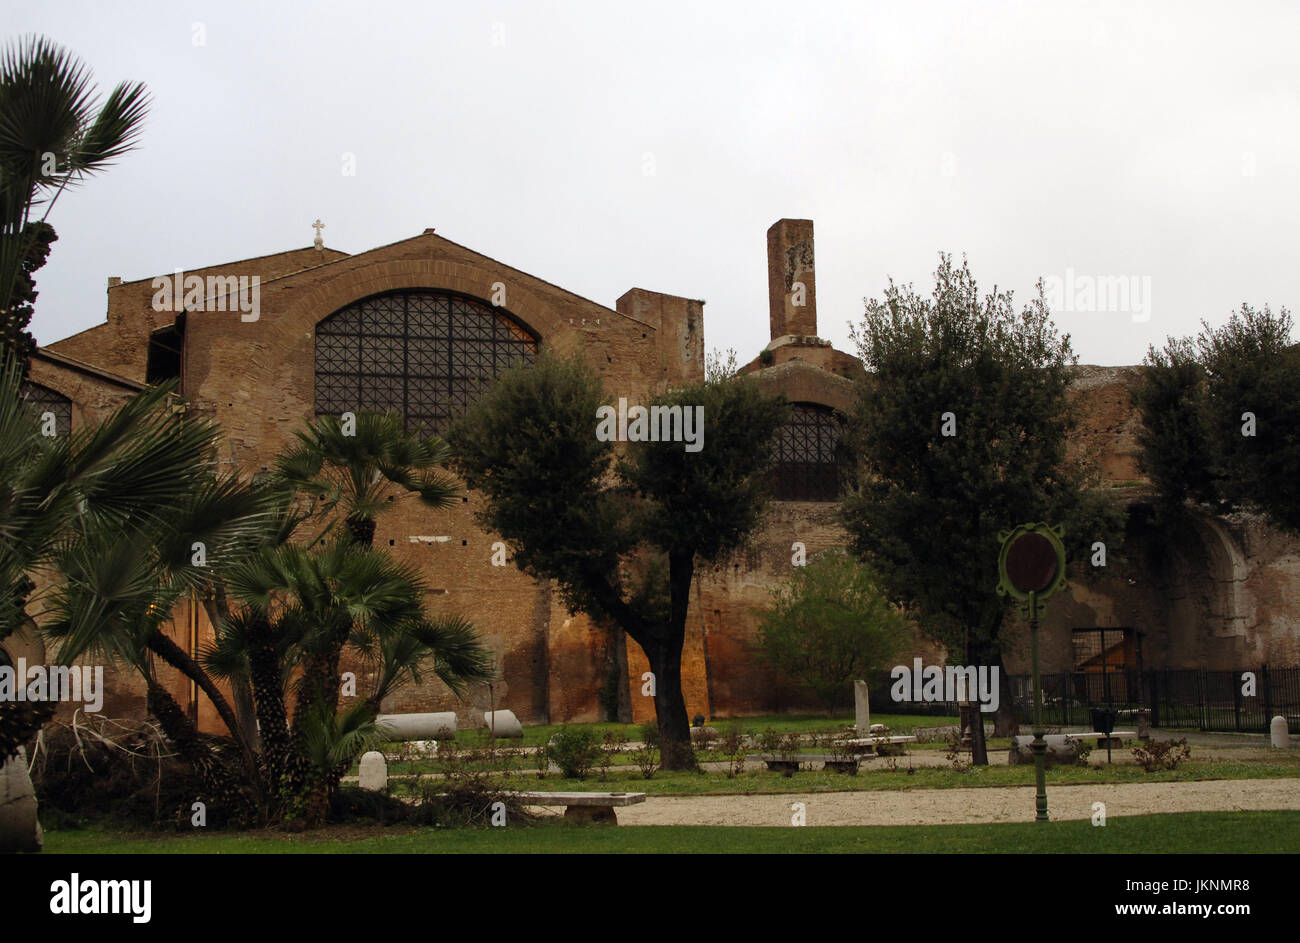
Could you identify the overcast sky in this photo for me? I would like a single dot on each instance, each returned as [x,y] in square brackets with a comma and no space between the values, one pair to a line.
[605,146]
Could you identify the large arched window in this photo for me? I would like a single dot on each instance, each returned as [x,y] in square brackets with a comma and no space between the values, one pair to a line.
[810,461]
[427,354]
[41,400]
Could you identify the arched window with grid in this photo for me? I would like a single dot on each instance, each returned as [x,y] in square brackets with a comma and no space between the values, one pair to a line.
[427,354]
[41,400]
[810,460]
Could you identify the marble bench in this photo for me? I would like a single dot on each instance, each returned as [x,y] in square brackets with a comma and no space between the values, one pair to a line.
[789,762]
[583,806]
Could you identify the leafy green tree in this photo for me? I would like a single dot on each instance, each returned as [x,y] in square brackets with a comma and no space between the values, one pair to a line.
[962,432]
[831,624]
[620,537]
[54,133]
[1221,417]
[1173,439]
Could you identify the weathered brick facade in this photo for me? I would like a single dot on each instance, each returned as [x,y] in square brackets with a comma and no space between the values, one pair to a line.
[1205,604]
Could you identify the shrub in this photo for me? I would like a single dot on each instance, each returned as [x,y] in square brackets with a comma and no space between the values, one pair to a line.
[614,744]
[650,734]
[122,772]
[955,753]
[575,750]
[647,760]
[1162,754]
[770,740]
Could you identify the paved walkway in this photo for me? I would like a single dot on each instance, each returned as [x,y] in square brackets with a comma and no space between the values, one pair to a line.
[953,806]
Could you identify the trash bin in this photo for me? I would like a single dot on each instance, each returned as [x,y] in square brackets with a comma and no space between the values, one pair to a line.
[1103,719]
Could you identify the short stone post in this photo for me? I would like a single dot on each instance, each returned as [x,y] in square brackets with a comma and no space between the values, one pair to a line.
[1279,733]
[373,772]
[19,829]
[862,707]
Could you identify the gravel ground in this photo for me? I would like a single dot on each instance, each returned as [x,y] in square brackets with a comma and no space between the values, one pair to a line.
[953,806]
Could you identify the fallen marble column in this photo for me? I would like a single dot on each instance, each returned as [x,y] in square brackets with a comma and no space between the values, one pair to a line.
[441,726]
[503,724]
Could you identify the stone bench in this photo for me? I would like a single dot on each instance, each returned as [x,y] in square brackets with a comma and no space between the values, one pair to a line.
[1061,747]
[1115,736]
[583,806]
[789,762]
[881,746]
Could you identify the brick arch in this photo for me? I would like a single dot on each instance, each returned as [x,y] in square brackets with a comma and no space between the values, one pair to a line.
[324,299]
[805,383]
[1225,576]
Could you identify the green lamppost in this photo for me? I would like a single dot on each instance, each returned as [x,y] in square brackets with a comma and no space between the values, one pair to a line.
[1031,567]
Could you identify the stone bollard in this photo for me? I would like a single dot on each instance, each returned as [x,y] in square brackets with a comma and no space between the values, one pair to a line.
[373,772]
[861,708]
[1279,734]
[19,829]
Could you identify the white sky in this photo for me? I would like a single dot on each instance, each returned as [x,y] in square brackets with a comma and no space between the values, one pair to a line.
[1160,143]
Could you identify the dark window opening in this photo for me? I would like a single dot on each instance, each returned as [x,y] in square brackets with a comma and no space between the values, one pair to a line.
[164,360]
[811,461]
[41,400]
[1103,660]
[426,354]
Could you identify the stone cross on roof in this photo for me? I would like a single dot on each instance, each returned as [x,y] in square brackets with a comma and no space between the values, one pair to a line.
[318,242]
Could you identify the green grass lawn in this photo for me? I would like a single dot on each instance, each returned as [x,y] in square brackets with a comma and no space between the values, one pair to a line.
[1191,832]
[538,734]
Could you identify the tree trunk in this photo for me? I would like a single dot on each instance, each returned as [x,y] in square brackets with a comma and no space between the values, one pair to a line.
[223,788]
[619,643]
[20,721]
[670,706]
[979,751]
[279,761]
[361,530]
[670,703]
[218,609]
[177,657]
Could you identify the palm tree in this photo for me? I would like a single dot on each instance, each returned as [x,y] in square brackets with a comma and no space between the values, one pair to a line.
[54,134]
[288,609]
[59,496]
[349,464]
[299,603]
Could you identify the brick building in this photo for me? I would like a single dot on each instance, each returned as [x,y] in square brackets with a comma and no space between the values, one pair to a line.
[422,324]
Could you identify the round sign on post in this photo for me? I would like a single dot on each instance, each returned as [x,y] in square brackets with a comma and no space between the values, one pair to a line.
[1031,567]
[1032,562]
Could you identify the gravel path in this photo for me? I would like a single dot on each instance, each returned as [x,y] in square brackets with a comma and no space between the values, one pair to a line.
[951,806]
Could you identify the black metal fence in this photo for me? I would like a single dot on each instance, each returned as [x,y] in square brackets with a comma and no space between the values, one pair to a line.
[1245,699]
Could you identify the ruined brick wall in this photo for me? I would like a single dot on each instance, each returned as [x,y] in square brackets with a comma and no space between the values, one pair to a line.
[1223,592]
[256,379]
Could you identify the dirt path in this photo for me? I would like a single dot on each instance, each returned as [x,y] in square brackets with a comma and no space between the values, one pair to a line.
[952,806]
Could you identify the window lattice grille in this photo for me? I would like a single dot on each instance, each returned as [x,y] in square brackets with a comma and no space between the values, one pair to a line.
[42,399]
[810,464]
[426,354]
